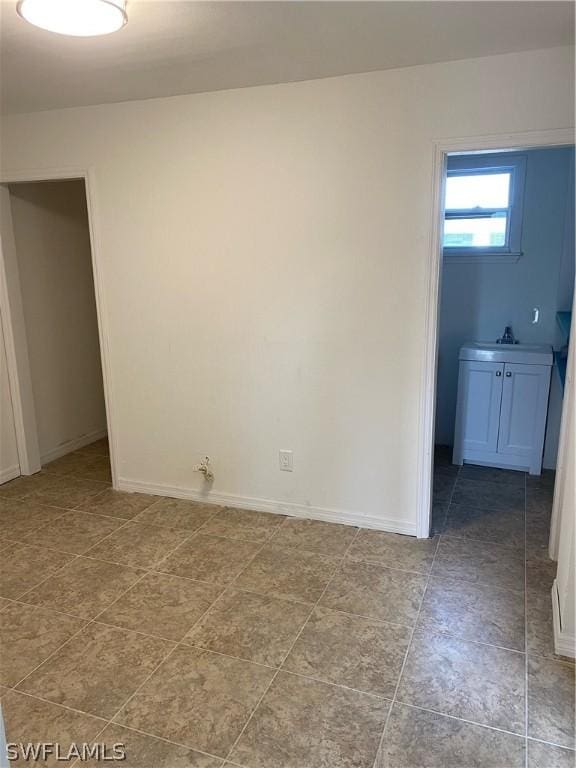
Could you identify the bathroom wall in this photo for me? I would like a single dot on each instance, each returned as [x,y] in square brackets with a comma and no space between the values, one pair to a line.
[478,300]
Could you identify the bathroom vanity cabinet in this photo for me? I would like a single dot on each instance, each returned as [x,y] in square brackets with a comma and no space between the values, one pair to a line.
[502,405]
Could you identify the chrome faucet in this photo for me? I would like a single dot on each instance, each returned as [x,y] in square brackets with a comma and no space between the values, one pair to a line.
[507,337]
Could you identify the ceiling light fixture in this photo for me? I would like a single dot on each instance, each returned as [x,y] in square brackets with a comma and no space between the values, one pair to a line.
[80,18]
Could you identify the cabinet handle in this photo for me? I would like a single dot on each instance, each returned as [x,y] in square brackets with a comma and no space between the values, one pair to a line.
[498,373]
[508,373]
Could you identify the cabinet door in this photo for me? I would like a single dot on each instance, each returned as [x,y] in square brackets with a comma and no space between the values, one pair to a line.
[524,407]
[479,397]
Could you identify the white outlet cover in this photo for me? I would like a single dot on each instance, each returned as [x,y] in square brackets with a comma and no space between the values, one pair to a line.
[286,460]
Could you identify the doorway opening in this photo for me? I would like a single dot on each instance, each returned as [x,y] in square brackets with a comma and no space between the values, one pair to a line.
[54,417]
[505,237]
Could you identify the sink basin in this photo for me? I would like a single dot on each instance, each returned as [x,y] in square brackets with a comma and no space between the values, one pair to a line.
[490,352]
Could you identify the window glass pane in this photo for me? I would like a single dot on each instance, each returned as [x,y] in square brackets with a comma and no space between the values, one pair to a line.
[478,190]
[475,233]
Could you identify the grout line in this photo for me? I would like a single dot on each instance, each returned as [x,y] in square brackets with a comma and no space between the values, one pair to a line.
[362,692]
[275,675]
[87,623]
[94,621]
[78,760]
[55,703]
[50,575]
[551,743]
[519,548]
[463,720]
[177,645]
[408,647]
[350,559]
[224,591]
[232,585]
[464,639]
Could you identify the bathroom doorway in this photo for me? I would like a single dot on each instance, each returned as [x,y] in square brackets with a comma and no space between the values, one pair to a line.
[505,236]
[504,320]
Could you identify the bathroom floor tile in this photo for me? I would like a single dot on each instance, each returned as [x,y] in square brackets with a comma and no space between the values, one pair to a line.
[539,499]
[74,532]
[538,534]
[480,562]
[210,558]
[376,592]
[28,635]
[97,670]
[474,612]
[452,470]
[505,496]
[394,550]
[84,587]
[288,573]
[443,486]
[199,699]
[506,528]
[350,650]
[29,720]
[139,545]
[415,738]
[244,524]
[493,475]
[540,625]
[546,756]
[117,504]
[177,513]
[24,567]
[480,683]
[540,575]
[315,536]
[248,626]
[302,722]
[147,752]
[439,515]
[551,701]
[161,605]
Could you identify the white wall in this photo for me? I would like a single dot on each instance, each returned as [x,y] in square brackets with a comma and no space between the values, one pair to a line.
[9,461]
[479,300]
[263,259]
[50,224]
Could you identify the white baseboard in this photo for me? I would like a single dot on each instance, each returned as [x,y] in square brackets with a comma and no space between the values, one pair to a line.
[564,644]
[269,505]
[9,474]
[72,445]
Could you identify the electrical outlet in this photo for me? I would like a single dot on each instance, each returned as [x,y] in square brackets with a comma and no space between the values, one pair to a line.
[286,461]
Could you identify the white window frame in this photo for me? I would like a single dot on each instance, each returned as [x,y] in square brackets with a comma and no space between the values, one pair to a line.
[482,164]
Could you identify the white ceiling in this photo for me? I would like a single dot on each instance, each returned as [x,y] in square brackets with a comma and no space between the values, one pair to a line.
[171,48]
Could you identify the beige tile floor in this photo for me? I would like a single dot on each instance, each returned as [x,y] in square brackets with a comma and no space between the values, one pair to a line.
[201,637]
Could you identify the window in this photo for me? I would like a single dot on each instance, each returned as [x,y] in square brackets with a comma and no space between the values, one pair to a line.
[483,206]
